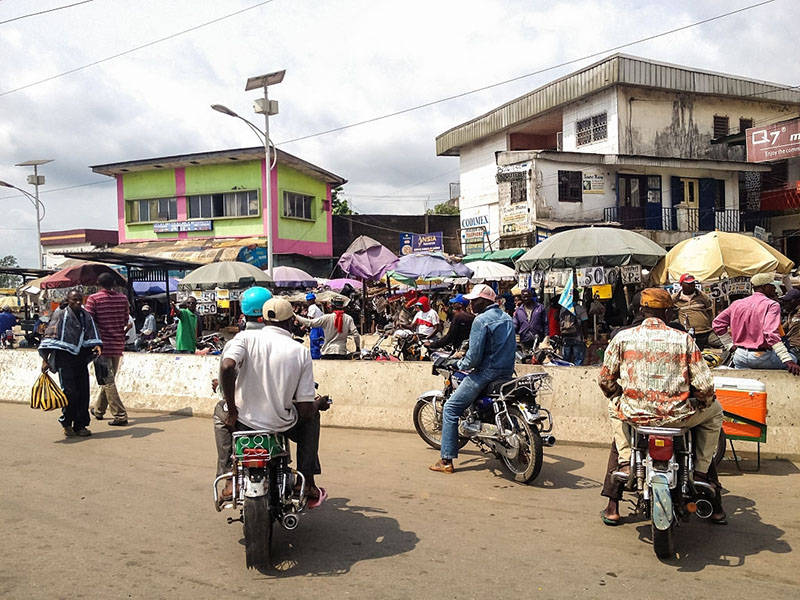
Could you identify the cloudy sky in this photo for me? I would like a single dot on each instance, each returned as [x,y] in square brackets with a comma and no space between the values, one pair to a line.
[347,61]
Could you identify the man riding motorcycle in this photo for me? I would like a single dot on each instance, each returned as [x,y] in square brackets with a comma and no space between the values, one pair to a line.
[492,347]
[654,375]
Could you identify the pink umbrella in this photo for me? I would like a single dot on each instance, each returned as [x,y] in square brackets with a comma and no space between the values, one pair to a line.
[367,259]
[292,278]
[338,284]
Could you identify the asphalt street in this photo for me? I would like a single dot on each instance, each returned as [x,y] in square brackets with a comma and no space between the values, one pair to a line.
[128,513]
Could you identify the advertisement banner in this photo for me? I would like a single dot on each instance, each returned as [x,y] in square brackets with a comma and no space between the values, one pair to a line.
[254,255]
[773,142]
[428,242]
[593,182]
[474,229]
[514,219]
[178,226]
[406,243]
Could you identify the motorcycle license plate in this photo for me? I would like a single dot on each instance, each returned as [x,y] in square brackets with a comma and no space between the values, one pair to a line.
[259,446]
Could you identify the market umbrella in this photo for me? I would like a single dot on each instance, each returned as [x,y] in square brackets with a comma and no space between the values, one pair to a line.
[224,274]
[338,284]
[430,265]
[367,259]
[720,255]
[591,247]
[291,277]
[82,274]
[484,270]
[150,288]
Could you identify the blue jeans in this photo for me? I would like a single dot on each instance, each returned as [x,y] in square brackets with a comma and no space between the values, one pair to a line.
[574,351]
[316,338]
[466,393]
[760,359]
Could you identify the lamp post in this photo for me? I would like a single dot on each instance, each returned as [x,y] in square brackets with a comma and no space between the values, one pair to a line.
[266,107]
[36,180]
[39,215]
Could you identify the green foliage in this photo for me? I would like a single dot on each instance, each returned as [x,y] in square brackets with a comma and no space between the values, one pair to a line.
[339,205]
[445,208]
[9,281]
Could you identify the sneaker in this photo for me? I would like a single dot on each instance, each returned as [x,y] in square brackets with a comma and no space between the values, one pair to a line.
[69,432]
[83,432]
[118,423]
[96,414]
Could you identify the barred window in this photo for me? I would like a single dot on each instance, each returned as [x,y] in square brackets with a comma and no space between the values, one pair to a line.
[591,129]
[745,124]
[721,127]
[570,186]
[519,190]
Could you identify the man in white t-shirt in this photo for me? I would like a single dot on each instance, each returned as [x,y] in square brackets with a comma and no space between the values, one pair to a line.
[130,333]
[426,321]
[267,381]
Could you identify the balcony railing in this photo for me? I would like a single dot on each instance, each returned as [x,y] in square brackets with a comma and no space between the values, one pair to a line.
[687,219]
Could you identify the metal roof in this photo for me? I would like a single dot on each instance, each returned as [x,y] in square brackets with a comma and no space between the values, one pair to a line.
[215,158]
[618,69]
[26,273]
[133,260]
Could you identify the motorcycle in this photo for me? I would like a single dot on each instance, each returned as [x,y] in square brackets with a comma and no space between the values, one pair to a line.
[662,464]
[263,491]
[506,420]
[408,346]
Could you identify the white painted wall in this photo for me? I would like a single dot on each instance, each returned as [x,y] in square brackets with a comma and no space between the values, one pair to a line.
[478,170]
[52,254]
[605,101]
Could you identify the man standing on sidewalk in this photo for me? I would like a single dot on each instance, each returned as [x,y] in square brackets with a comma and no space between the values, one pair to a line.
[110,312]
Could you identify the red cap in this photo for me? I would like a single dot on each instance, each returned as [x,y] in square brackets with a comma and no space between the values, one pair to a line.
[686,278]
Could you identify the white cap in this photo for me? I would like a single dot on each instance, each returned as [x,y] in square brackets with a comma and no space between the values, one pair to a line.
[481,291]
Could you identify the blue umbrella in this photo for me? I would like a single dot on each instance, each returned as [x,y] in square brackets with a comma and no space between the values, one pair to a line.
[429,265]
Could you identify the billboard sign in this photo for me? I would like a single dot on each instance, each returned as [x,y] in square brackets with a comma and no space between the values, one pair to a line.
[178,226]
[421,242]
[774,142]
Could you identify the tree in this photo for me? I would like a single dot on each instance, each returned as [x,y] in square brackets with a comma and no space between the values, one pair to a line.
[444,208]
[9,281]
[339,205]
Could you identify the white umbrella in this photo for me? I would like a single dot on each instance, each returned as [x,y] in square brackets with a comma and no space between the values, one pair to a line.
[486,270]
[224,274]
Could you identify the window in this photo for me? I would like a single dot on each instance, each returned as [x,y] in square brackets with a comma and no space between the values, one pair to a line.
[228,204]
[745,124]
[654,189]
[298,206]
[154,209]
[592,129]
[720,126]
[570,186]
[719,194]
[519,189]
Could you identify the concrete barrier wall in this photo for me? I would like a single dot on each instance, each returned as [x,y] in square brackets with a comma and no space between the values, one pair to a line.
[378,395]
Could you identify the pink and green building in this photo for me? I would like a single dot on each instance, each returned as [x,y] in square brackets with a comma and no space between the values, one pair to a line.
[220,195]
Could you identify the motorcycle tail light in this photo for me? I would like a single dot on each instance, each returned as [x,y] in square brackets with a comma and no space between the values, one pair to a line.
[660,448]
[255,464]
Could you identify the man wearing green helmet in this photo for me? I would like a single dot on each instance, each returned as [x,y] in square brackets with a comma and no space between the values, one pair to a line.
[251,302]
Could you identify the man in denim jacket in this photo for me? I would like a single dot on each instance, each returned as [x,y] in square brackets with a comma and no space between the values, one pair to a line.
[492,346]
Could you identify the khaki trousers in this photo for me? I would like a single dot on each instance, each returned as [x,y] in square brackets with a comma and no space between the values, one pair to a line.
[108,398]
[706,424]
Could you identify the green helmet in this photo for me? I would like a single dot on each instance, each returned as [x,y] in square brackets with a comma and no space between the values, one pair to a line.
[252,300]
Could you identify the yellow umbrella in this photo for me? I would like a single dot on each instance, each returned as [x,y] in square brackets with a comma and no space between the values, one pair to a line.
[720,255]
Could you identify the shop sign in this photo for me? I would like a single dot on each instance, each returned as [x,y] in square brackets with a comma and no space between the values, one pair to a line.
[591,276]
[421,242]
[557,278]
[180,226]
[207,308]
[254,255]
[514,219]
[593,183]
[775,142]
[631,274]
[473,240]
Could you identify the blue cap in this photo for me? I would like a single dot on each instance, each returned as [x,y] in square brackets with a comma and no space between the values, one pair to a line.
[459,299]
[310,297]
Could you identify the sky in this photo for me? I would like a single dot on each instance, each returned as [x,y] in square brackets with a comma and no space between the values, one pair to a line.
[346,61]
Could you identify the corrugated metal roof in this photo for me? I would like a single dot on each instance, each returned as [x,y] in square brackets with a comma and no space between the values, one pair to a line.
[619,69]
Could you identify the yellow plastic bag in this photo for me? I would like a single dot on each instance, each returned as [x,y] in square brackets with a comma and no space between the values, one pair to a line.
[46,394]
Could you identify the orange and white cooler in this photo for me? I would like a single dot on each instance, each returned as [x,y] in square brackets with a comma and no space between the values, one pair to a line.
[746,399]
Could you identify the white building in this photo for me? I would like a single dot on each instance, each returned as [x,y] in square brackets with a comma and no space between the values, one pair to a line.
[625,141]
[54,243]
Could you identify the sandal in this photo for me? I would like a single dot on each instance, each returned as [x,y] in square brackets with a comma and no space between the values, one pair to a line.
[607,521]
[315,502]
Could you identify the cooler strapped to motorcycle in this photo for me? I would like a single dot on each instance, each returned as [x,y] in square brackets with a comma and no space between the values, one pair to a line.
[253,444]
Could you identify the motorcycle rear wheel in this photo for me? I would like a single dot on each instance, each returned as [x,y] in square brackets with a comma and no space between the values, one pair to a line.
[258,524]
[429,425]
[663,541]
[528,463]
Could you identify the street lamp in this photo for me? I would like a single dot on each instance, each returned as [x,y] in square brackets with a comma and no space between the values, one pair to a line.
[267,108]
[36,180]
[39,215]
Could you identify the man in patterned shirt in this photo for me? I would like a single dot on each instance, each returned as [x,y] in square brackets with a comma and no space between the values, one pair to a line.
[655,375]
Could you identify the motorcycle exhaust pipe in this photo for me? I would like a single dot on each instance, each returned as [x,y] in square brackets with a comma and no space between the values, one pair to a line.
[704,509]
[549,440]
[290,521]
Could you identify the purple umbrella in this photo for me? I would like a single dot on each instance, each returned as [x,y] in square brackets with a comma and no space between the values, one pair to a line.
[338,284]
[430,265]
[292,278]
[367,259]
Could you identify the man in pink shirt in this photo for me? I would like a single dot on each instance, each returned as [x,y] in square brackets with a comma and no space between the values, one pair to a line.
[751,325]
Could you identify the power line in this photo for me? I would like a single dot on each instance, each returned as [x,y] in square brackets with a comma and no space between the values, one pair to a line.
[49,10]
[61,189]
[539,72]
[137,48]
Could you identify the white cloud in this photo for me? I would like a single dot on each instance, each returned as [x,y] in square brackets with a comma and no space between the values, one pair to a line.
[346,61]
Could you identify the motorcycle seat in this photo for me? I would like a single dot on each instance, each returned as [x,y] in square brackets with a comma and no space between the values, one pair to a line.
[493,389]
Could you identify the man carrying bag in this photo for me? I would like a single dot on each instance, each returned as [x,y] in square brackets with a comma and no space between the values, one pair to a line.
[70,342]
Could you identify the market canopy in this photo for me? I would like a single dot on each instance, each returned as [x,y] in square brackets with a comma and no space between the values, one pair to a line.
[430,265]
[485,270]
[367,259]
[226,274]
[720,255]
[150,288]
[82,274]
[591,247]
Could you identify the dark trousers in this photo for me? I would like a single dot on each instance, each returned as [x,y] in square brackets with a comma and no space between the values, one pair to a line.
[335,357]
[73,373]
[613,489]
[304,433]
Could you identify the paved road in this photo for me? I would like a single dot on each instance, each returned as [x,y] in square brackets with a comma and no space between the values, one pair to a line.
[127,513]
